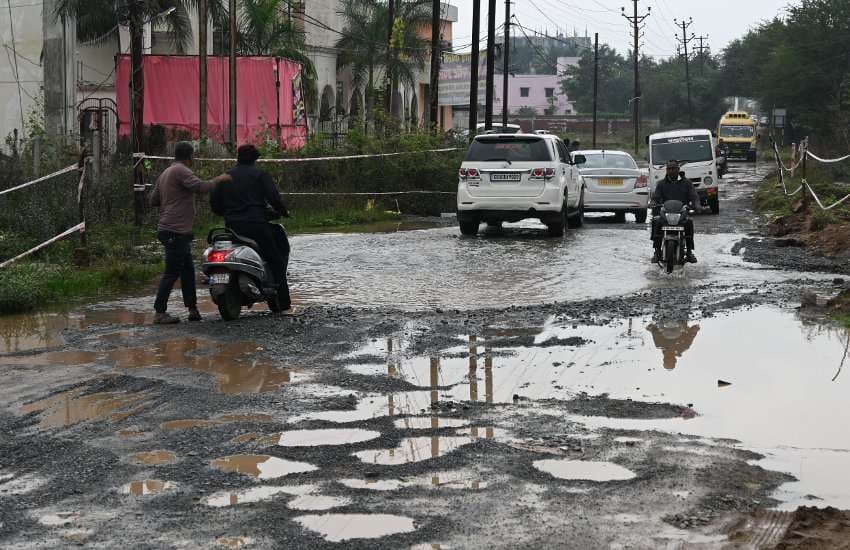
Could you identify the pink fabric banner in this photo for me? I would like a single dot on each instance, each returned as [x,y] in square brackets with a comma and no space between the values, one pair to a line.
[265,112]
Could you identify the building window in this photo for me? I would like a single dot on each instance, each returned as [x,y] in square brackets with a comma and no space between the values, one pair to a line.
[523,92]
[550,92]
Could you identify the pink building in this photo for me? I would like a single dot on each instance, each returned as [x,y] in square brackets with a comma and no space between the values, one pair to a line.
[538,91]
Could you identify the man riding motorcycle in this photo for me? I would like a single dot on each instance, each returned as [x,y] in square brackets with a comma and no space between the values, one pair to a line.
[244,202]
[674,187]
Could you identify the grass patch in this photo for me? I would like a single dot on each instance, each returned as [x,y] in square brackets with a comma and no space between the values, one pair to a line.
[28,286]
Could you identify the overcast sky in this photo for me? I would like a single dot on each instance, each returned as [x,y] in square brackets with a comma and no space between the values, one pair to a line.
[721,20]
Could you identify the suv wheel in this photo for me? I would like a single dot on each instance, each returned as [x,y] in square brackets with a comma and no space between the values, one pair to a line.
[576,220]
[468,225]
[557,227]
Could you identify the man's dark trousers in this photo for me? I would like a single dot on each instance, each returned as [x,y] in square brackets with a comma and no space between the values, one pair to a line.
[274,248]
[178,265]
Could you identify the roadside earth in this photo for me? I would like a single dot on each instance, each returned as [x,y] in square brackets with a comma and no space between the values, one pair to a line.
[655,416]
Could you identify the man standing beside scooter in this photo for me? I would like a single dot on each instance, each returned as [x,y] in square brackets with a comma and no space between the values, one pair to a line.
[174,194]
[674,187]
[244,203]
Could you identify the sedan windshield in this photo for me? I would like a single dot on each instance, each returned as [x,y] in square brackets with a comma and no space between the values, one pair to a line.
[597,160]
[508,149]
[736,131]
[682,149]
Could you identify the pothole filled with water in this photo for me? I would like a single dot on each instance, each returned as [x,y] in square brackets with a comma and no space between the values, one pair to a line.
[261,466]
[255,494]
[584,470]
[317,438]
[153,458]
[148,487]
[341,527]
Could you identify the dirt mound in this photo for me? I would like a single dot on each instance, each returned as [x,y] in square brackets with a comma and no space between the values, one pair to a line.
[818,529]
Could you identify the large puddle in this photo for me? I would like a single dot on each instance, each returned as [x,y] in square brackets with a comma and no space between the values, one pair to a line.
[261,466]
[760,376]
[341,527]
[71,407]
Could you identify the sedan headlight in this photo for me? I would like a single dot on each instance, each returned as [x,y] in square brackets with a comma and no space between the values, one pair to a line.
[673,219]
[708,180]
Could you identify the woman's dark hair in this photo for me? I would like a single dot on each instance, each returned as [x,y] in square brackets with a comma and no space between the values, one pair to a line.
[183,151]
[247,154]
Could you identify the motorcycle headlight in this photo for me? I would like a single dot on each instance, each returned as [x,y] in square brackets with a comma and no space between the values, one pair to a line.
[673,219]
[708,180]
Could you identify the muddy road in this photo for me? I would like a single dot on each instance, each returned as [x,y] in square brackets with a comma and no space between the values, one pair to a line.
[505,391]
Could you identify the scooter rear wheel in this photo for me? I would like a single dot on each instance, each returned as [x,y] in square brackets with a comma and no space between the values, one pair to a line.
[230,303]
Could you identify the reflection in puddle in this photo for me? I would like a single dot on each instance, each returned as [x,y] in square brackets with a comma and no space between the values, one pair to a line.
[59,519]
[188,424]
[234,542]
[340,527]
[450,480]
[255,494]
[147,487]
[584,470]
[261,466]
[153,458]
[318,502]
[235,365]
[316,438]
[417,449]
[429,423]
[71,407]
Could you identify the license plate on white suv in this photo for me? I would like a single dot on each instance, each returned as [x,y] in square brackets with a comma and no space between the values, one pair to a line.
[219,278]
[506,177]
[673,228]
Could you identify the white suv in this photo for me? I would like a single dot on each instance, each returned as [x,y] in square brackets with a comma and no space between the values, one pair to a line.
[512,177]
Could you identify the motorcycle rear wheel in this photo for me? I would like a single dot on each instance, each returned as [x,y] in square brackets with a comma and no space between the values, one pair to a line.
[230,303]
[671,250]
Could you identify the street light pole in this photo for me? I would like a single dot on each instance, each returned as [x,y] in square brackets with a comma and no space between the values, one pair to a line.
[233,111]
[473,72]
[491,64]
[202,60]
[507,66]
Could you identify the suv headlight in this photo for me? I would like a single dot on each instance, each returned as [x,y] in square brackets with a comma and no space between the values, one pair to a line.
[708,180]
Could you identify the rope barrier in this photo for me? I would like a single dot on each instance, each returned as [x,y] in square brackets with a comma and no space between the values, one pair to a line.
[804,184]
[364,193]
[826,161]
[307,159]
[65,170]
[79,227]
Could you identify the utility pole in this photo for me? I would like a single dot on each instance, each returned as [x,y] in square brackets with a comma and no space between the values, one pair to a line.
[435,63]
[507,67]
[491,64]
[202,59]
[702,51]
[233,111]
[388,90]
[473,72]
[137,109]
[685,40]
[595,83]
[636,21]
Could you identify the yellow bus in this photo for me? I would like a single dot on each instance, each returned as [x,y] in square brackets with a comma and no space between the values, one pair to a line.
[738,131]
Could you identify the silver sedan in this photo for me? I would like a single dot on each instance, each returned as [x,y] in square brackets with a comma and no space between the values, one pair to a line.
[614,183]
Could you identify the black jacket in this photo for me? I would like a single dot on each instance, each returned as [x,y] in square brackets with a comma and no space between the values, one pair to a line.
[681,190]
[245,199]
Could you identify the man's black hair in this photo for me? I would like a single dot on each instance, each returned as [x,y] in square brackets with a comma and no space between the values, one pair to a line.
[183,151]
[247,154]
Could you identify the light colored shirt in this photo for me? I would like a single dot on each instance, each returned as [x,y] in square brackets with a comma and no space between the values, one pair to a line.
[174,193]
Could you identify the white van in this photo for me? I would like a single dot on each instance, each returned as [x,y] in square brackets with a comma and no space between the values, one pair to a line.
[695,149]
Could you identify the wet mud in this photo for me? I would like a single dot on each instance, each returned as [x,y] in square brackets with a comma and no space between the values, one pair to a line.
[441,392]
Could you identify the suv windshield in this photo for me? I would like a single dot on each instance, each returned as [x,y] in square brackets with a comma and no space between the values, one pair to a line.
[736,131]
[608,161]
[510,149]
[683,149]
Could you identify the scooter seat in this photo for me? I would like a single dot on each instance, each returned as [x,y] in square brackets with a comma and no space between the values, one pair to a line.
[246,241]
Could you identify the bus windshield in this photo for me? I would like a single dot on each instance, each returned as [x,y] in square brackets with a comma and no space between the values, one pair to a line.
[682,149]
[736,131]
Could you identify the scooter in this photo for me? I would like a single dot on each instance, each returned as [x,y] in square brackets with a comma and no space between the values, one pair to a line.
[673,215]
[237,274]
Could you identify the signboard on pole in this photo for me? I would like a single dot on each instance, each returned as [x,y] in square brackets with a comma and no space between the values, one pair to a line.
[455,72]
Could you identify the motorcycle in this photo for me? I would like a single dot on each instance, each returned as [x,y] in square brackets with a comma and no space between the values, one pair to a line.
[673,215]
[722,154]
[237,274]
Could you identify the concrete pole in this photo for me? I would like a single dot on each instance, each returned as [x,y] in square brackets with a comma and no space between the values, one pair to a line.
[435,64]
[53,69]
[491,64]
[507,66]
[233,111]
[202,58]
[473,72]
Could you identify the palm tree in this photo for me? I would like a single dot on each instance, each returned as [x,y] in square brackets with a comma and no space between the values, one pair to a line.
[364,42]
[264,28]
